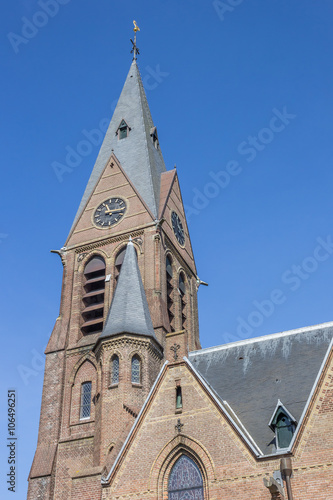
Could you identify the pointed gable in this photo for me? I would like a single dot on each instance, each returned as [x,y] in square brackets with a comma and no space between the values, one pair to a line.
[129,311]
[140,159]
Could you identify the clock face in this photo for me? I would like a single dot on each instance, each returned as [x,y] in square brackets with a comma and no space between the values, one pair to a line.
[110,212]
[178,229]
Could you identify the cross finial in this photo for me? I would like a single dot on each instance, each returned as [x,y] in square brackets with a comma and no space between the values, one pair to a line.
[135,50]
[179,426]
[175,348]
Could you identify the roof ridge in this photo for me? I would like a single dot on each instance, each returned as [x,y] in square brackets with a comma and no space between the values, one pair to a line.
[262,338]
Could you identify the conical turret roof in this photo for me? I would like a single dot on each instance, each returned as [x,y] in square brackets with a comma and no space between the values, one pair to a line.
[137,154]
[129,311]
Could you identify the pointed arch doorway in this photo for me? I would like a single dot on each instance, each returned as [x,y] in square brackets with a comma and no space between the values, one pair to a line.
[185,480]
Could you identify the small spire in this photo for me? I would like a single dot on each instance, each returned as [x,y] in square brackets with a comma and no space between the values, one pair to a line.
[130,242]
[135,50]
[129,310]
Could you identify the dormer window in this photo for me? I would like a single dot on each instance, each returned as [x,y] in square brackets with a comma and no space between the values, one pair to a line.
[283,425]
[154,136]
[123,130]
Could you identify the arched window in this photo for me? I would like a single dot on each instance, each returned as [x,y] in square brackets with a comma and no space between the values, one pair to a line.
[185,481]
[85,402]
[114,369]
[136,370]
[182,292]
[169,274]
[93,296]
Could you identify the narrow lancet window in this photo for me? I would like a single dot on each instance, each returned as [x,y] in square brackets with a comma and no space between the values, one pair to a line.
[85,403]
[182,293]
[115,370]
[179,398]
[169,280]
[136,370]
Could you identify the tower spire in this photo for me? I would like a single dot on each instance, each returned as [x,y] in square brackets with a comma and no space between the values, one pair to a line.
[135,50]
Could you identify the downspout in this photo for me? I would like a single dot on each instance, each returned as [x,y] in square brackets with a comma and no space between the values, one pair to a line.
[286,470]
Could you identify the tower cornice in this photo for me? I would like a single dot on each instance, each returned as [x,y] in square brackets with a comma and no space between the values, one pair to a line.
[126,339]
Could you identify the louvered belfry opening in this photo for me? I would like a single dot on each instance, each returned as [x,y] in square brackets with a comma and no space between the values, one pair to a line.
[169,280]
[119,262]
[182,292]
[93,296]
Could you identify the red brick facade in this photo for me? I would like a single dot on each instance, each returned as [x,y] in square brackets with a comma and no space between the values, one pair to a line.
[106,456]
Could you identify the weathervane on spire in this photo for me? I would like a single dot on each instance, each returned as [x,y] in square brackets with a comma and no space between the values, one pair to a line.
[135,49]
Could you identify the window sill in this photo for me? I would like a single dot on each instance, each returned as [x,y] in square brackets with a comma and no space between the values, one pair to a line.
[83,421]
[134,384]
[179,410]
[113,386]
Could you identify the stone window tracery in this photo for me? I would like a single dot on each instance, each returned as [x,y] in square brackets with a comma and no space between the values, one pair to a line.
[185,481]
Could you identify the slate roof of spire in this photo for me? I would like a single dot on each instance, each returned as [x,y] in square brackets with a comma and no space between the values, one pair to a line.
[142,162]
[129,311]
[252,375]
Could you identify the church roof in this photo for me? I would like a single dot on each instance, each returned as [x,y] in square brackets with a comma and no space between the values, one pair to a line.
[137,154]
[250,376]
[129,311]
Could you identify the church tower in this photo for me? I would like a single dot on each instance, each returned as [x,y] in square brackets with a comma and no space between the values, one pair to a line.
[128,304]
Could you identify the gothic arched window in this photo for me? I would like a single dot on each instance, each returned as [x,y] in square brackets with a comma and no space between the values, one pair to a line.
[169,274]
[136,370]
[114,370]
[185,481]
[182,292]
[85,402]
[93,295]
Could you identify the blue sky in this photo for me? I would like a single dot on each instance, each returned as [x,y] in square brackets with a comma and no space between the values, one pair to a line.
[241,93]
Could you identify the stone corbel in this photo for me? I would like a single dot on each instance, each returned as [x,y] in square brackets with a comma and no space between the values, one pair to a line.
[275,488]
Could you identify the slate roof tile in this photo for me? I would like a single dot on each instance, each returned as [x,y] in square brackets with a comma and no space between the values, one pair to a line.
[252,375]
